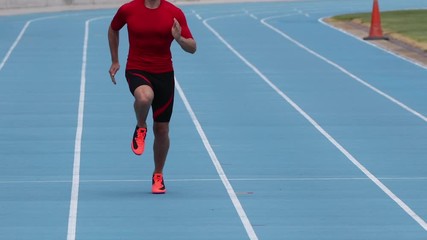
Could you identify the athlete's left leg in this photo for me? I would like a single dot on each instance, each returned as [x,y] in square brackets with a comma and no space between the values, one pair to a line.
[161,145]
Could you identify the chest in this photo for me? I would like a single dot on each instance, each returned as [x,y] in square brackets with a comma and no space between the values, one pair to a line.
[150,23]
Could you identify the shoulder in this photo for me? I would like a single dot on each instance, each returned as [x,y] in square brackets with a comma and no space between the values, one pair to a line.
[171,7]
[127,7]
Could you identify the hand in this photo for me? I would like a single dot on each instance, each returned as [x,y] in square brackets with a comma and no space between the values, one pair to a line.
[113,70]
[176,30]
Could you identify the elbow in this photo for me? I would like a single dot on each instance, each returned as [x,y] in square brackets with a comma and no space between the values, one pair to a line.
[187,44]
[193,48]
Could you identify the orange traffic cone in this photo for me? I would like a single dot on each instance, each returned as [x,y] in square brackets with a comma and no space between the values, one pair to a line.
[376,32]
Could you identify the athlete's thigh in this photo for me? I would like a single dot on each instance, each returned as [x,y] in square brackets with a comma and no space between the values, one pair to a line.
[164,89]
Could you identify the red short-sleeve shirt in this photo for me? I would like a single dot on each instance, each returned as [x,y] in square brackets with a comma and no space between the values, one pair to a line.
[150,36]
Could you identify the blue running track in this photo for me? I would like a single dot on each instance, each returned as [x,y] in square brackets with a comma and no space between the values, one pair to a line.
[284,128]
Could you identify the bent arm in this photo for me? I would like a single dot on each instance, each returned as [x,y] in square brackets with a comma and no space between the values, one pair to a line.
[187,44]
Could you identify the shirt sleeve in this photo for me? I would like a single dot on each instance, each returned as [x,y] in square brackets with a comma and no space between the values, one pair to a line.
[185,30]
[119,19]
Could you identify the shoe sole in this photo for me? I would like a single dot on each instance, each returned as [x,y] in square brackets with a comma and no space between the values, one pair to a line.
[158,192]
[134,150]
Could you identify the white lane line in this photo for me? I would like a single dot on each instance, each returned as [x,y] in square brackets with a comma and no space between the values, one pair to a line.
[281,179]
[419,64]
[362,168]
[77,147]
[72,217]
[345,71]
[21,34]
[231,193]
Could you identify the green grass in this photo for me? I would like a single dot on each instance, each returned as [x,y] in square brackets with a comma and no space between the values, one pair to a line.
[409,23]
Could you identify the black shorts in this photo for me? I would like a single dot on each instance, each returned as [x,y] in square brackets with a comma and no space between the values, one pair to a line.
[163,85]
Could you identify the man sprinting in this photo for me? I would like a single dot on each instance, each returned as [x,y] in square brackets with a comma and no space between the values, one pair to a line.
[152,27]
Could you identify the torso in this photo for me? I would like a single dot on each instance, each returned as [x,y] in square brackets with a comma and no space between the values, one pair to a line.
[150,35]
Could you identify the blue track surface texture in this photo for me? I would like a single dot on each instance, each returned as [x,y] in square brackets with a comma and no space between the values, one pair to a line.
[283,128]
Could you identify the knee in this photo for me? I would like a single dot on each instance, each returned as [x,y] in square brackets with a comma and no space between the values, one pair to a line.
[144,95]
[161,130]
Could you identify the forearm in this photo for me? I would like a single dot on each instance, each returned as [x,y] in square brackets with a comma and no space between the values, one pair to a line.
[113,41]
[187,44]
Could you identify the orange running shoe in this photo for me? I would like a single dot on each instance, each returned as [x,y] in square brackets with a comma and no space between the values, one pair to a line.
[158,184]
[138,140]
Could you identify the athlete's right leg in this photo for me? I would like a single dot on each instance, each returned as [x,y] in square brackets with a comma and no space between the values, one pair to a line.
[143,97]
[140,87]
